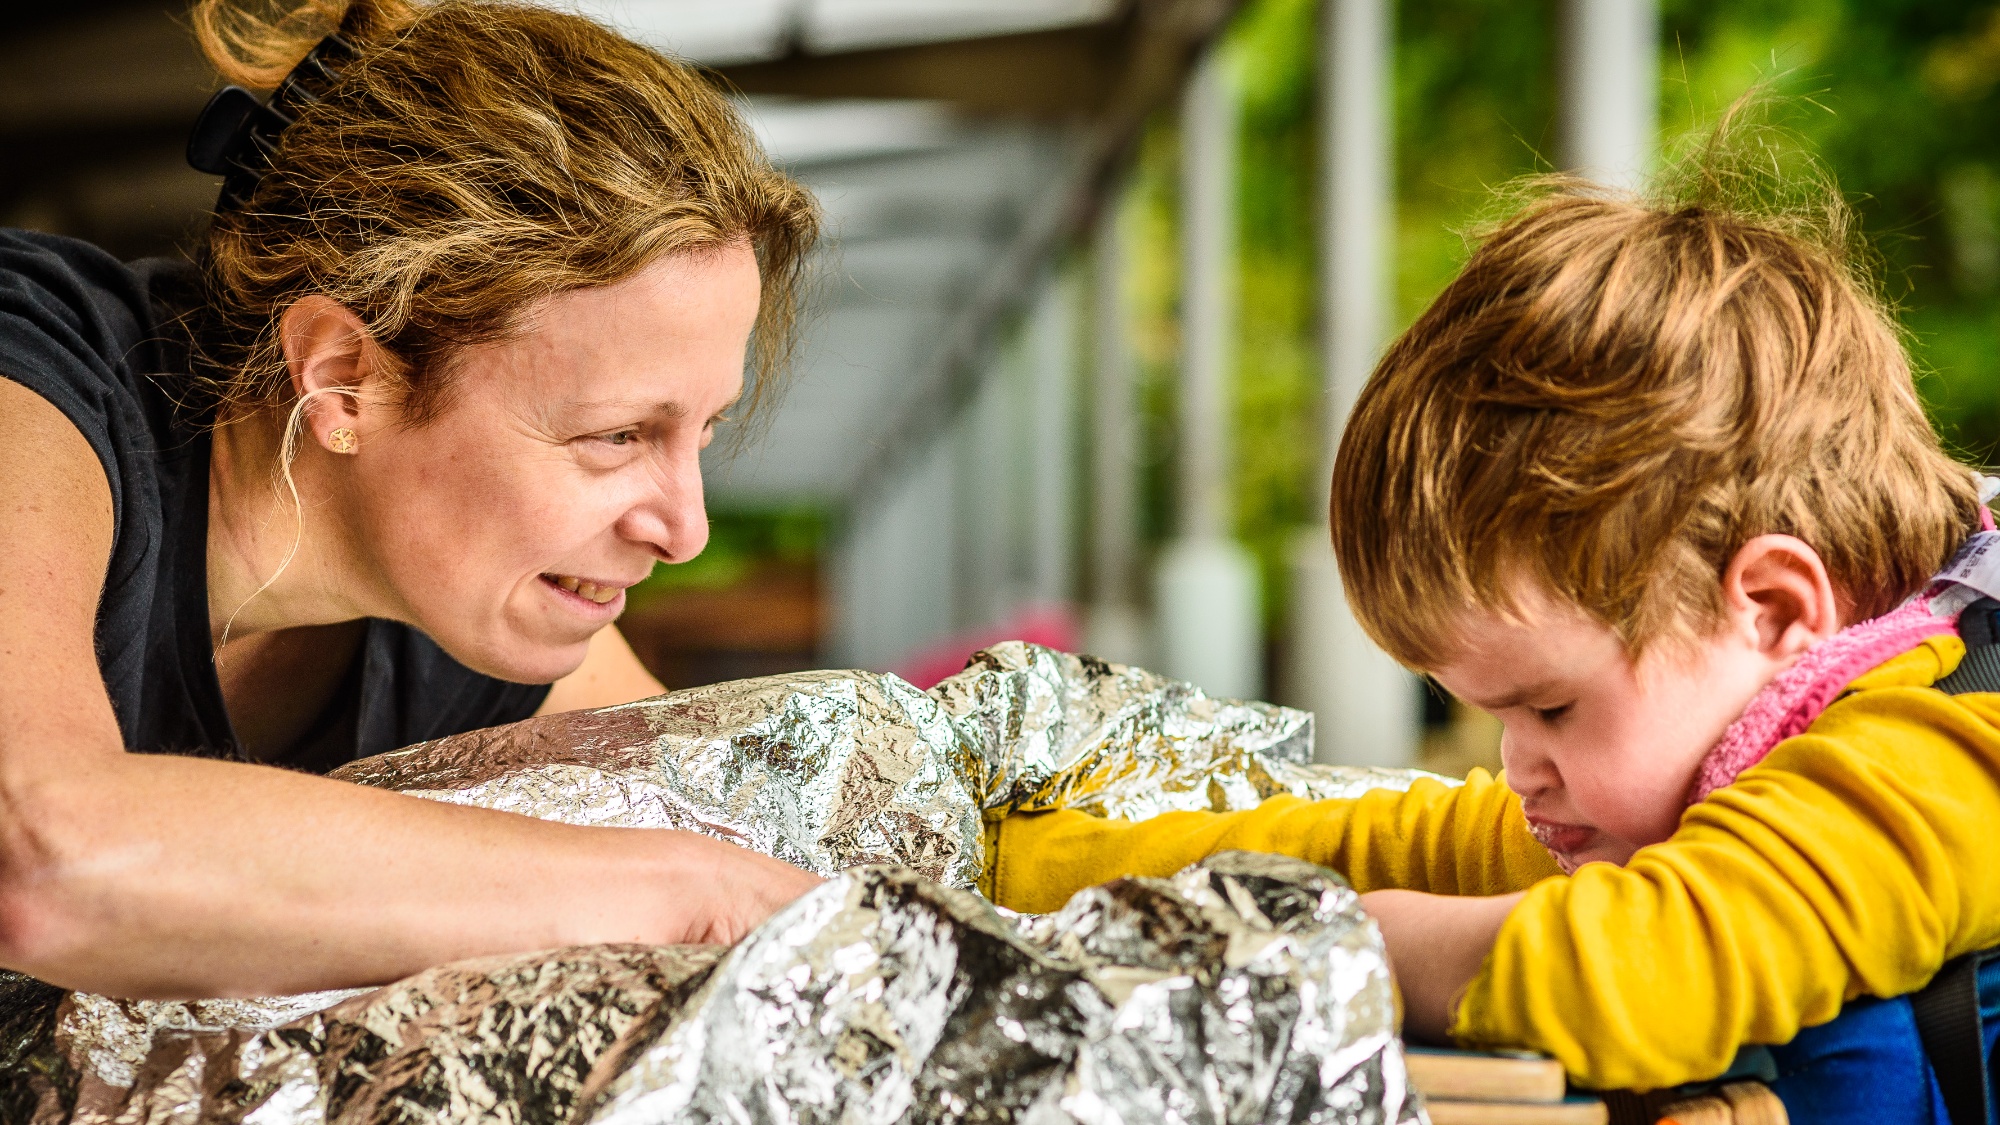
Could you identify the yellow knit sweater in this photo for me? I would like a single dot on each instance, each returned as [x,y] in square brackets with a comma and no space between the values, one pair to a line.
[1854,860]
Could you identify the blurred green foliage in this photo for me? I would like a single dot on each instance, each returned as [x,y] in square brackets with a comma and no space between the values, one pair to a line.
[739,540]
[1898,97]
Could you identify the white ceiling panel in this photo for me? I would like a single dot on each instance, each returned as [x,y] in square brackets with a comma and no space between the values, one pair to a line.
[972,189]
[923,273]
[721,32]
[911,236]
[796,133]
[854,367]
[714,32]
[848,25]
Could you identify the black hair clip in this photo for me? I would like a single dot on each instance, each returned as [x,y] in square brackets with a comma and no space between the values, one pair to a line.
[236,135]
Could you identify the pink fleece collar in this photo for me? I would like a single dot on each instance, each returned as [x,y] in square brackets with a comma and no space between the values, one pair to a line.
[1790,703]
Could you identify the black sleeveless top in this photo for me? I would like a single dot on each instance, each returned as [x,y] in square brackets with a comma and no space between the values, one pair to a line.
[88,333]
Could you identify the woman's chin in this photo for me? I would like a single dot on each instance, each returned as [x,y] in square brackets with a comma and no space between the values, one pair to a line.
[520,656]
[547,663]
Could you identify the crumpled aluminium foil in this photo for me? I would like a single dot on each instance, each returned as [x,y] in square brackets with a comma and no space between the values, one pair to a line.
[1248,989]
[1042,729]
[1245,989]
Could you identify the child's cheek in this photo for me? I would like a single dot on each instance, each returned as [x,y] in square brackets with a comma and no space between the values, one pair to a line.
[1628,787]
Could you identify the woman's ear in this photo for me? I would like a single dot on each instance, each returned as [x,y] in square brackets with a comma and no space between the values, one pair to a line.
[332,362]
[1776,591]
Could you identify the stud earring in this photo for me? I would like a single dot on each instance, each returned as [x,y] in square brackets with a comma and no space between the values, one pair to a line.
[342,440]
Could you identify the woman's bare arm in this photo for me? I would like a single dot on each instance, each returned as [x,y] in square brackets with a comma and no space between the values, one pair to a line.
[155,875]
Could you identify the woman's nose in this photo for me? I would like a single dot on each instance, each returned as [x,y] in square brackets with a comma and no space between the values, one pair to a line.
[672,515]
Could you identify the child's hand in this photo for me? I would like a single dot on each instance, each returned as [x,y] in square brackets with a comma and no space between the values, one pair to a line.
[1436,946]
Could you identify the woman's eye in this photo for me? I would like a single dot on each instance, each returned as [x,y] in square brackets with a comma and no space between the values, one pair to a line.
[622,437]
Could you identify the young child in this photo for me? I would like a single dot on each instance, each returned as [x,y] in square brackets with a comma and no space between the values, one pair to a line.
[1651,484]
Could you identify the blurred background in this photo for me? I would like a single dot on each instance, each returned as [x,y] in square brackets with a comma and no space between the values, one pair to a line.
[1103,276]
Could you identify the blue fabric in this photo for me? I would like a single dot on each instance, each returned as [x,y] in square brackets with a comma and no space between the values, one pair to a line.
[1868,1065]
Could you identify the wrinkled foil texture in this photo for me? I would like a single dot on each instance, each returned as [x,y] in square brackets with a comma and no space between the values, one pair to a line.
[1248,988]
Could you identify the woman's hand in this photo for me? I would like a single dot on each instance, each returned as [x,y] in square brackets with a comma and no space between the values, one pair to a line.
[738,888]
[1436,944]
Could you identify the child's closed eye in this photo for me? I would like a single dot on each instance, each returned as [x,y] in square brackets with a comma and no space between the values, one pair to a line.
[1551,714]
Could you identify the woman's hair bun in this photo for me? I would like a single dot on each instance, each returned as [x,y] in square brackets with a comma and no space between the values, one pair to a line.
[256,44]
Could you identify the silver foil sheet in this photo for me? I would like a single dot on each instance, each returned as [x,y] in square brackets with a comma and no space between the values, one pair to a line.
[1247,989]
[1042,729]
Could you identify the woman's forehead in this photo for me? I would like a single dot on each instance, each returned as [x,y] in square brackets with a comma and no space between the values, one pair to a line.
[669,342]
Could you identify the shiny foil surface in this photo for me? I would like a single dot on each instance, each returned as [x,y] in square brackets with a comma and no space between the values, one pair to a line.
[1249,988]
[1042,729]
[1245,989]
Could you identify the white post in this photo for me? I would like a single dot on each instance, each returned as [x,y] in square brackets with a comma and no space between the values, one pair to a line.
[845,572]
[1115,631]
[1610,89]
[1207,583]
[1051,354]
[1367,708]
[988,492]
[893,573]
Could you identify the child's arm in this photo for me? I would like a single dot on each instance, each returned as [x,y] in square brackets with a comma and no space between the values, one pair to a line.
[1436,944]
[1468,839]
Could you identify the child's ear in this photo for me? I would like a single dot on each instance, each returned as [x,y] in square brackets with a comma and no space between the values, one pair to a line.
[1776,591]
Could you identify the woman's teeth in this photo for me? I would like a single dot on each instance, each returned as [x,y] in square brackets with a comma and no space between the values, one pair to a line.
[591,590]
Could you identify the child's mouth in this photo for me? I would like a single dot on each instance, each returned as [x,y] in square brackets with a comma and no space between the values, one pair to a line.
[1562,840]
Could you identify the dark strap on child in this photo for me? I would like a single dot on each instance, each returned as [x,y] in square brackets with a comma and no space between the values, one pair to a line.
[1947,1009]
[1948,1022]
[1979,628]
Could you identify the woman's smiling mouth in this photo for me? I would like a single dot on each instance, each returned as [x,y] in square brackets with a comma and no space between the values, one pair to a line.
[583,589]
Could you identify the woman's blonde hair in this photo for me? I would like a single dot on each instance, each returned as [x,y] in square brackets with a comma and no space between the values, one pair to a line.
[1618,392]
[474,157]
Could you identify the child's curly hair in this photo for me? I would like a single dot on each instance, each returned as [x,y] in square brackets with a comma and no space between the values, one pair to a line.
[1618,392]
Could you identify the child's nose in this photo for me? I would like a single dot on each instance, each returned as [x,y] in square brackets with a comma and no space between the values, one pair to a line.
[1529,770]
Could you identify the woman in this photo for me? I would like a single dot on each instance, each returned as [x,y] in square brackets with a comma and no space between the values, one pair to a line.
[378,471]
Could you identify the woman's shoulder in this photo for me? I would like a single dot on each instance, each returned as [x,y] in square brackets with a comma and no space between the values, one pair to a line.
[91,334]
[87,333]
[52,282]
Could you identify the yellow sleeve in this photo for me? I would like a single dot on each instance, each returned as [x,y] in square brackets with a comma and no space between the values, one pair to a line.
[1856,859]
[1468,839]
